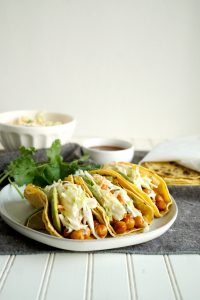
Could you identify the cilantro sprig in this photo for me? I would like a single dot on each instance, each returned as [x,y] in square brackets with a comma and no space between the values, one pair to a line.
[25,169]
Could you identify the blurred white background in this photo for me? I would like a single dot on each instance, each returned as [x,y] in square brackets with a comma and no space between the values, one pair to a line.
[124,68]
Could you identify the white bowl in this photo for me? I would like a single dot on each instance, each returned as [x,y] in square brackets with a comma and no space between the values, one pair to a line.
[12,136]
[108,154]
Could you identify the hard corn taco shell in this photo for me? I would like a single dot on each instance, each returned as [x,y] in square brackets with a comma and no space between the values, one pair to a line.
[50,216]
[157,180]
[173,173]
[98,212]
[139,203]
[145,209]
[36,196]
[34,221]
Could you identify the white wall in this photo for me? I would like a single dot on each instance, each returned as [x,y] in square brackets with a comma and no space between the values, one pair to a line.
[123,68]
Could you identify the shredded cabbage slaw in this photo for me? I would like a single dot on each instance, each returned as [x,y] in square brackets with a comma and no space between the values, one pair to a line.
[77,206]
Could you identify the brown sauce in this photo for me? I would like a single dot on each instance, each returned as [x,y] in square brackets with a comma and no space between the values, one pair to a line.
[108,148]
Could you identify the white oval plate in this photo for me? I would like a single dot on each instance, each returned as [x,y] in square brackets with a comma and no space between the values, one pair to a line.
[15,211]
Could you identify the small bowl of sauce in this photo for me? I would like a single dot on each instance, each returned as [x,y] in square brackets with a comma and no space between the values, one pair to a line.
[104,150]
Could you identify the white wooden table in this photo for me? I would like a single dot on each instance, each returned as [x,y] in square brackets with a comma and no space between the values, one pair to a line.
[100,276]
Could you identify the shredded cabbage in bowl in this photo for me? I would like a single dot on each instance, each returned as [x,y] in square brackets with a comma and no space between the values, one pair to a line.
[38,120]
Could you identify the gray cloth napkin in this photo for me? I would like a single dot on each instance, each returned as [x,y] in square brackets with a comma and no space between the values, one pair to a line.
[182,238]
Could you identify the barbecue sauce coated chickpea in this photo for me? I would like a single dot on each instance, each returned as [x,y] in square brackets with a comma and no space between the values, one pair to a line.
[139,222]
[160,202]
[130,222]
[101,230]
[77,234]
[81,234]
[120,227]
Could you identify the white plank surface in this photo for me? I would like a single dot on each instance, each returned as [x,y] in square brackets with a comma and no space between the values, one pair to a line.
[5,266]
[186,269]
[110,277]
[3,262]
[100,276]
[25,277]
[67,279]
[151,278]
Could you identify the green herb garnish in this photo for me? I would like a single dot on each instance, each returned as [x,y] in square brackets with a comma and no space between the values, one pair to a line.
[25,169]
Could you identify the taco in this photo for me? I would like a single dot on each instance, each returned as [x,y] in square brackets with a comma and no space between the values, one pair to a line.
[146,184]
[37,198]
[174,173]
[68,210]
[124,211]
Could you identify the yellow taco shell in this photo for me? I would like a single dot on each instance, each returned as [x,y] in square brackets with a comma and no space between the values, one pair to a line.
[35,196]
[157,180]
[139,203]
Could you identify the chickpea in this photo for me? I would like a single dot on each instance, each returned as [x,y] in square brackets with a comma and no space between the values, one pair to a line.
[101,230]
[120,227]
[161,205]
[130,222]
[77,234]
[139,222]
[160,202]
